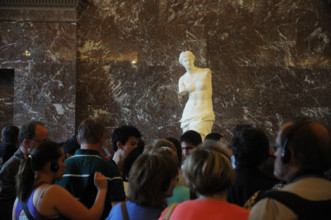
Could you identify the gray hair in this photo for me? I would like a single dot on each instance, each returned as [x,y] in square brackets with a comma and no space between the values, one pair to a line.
[91,130]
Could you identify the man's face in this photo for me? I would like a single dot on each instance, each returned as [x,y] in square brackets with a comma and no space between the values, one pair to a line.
[187,149]
[131,144]
[40,136]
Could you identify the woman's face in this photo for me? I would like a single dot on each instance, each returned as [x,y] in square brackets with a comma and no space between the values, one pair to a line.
[188,63]
[62,165]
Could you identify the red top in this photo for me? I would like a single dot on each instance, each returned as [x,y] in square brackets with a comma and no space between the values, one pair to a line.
[207,209]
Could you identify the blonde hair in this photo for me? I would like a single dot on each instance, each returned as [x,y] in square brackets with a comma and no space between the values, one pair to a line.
[208,170]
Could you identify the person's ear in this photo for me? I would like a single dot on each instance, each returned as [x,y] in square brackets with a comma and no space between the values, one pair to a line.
[119,145]
[47,166]
[27,143]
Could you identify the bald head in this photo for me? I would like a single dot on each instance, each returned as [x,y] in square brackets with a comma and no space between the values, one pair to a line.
[321,133]
[311,144]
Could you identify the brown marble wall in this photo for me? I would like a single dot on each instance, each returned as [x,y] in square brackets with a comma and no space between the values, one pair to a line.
[6,97]
[43,55]
[270,60]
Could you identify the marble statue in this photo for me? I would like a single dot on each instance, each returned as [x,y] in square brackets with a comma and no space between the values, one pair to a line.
[198,114]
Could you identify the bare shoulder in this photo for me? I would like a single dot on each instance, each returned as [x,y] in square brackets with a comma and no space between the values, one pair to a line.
[183,77]
[206,70]
[57,189]
[59,193]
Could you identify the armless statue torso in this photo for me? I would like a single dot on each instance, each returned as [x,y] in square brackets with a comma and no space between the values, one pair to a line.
[198,113]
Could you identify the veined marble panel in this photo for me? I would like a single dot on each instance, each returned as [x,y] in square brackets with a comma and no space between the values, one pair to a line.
[270,61]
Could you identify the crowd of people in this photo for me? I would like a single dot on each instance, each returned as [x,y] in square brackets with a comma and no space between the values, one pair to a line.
[188,177]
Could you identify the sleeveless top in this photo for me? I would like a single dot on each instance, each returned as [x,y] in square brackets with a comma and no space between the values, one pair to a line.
[33,210]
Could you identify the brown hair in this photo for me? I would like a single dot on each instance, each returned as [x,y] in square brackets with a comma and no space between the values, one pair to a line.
[163,147]
[149,179]
[43,153]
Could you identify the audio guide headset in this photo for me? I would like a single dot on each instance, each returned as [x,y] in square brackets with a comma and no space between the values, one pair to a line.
[286,152]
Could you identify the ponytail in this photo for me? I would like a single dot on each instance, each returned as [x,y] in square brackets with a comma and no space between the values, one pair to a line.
[25,179]
[36,161]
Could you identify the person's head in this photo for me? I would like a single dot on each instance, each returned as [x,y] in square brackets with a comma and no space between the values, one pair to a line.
[129,160]
[186,58]
[151,179]
[304,145]
[46,158]
[214,137]
[9,134]
[161,142]
[30,135]
[208,170]
[91,132]
[163,147]
[239,128]
[70,146]
[250,147]
[6,152]
[189,141]
[178,148]
[126,138]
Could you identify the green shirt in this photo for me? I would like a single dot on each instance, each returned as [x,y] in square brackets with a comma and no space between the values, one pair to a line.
[76,179]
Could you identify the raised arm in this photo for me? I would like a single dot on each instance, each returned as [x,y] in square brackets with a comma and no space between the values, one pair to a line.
[70,207]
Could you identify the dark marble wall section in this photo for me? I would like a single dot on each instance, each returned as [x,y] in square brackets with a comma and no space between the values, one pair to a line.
[6,97]
[43,55]
[270,60]
[267,100]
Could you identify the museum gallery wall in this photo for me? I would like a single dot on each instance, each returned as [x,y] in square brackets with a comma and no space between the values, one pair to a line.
[270,61]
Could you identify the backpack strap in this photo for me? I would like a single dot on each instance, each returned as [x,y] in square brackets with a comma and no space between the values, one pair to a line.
[304,209]
[170,209]
[124,211]
[27,211]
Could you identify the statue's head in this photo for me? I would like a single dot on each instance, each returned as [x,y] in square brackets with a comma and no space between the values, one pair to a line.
[186,54]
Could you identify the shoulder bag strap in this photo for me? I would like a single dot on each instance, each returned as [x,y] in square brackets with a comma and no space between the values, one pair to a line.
[305,209]
[169,211]
[27,211]
[124,211]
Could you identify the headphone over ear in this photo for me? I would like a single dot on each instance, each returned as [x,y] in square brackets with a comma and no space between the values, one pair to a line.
[286,152]
[54,167]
